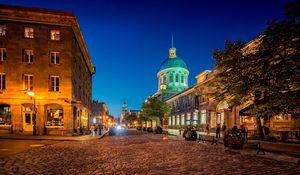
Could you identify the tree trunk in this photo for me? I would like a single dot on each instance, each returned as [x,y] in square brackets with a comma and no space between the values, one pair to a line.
[256,104]
[259,128]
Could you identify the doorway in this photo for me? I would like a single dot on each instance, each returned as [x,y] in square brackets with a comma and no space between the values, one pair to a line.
[27,119]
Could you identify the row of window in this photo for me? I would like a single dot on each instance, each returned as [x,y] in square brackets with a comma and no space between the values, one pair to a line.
[29,32]
[185,101]
[54,115]
[28,56]
[215,119]
[28,82]
[164,79]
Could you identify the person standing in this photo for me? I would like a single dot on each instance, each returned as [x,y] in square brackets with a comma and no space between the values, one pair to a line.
[224,130]
[99,129]
[207,128]
[93,130]
[218,131]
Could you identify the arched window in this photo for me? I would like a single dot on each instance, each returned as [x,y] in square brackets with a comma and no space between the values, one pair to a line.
[177,78]
[182,78]
[171,78]
[164,79]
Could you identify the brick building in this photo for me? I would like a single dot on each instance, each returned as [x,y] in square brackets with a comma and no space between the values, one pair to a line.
[45,72]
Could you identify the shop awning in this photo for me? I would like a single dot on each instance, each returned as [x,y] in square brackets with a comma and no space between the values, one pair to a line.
[246,111]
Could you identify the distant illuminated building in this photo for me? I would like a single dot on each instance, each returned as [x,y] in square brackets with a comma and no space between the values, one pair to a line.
[124,110]
[43,52]
[100,113]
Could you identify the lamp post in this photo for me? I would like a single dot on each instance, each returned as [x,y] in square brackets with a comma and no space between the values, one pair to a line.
[31,94]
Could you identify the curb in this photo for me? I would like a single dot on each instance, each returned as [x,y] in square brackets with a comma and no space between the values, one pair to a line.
[70,138]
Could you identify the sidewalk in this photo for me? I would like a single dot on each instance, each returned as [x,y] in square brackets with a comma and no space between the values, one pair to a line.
[56,138]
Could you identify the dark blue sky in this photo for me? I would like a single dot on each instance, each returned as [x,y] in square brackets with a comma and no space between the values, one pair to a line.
[129,39]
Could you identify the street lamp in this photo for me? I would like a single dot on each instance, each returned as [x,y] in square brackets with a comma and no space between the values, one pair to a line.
[31,94]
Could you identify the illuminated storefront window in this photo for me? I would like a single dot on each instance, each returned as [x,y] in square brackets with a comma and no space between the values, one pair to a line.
[213,121]
[182,120]
[203,116]
[188,119]
[55,115]
[173,120]
[195,118]
[177,120]
[5,115]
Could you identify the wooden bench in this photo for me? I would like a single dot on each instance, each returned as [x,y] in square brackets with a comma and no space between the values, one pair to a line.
[277,147]
[208,138]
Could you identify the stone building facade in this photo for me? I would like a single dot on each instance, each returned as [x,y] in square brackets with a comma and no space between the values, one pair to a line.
[184,109]
[43,54]
[197,107]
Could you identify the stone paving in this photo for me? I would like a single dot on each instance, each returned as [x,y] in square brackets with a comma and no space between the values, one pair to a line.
[140,154]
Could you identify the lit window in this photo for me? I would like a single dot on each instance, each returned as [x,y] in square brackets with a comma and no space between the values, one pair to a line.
[2,81]
[203,116]
[55,115]
[55,35]
[28,56]
[2,54]
[54,83]
[29,32]
[2,30]
[5,114]
[28,82]
[54,57]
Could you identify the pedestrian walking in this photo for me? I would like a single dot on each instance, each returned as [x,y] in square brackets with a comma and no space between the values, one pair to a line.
[218,131]
[259,148]
[92,129]
[244,132]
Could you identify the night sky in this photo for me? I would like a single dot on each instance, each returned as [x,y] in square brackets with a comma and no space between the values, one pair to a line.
[129,39]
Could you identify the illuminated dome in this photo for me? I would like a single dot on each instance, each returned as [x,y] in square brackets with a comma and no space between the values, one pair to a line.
[173,62]
[172,75]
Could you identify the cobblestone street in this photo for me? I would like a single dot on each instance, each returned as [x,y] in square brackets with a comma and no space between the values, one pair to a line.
[139,154]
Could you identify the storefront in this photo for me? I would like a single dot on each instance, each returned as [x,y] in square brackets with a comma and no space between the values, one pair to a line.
[5,118]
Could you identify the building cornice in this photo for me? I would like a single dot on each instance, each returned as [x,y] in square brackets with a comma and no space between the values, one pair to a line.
[48,17]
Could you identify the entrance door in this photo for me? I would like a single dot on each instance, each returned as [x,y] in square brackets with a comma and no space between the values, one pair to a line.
[27,121]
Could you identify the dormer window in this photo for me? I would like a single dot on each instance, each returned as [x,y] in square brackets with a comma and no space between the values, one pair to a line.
[55,35]
[29,32]
[2,30]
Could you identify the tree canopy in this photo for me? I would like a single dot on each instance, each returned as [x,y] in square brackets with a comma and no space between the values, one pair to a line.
[129,118]
[154,109]
[266,71]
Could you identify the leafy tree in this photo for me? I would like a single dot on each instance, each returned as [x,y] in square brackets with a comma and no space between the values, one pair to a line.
[130,118]
[154,109]
[266,71]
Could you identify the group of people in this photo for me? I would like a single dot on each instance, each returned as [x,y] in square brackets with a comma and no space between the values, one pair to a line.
[235,130]
[96,129]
